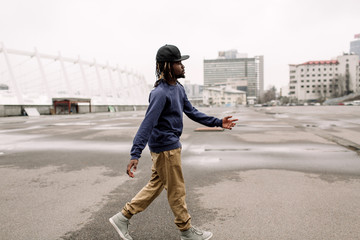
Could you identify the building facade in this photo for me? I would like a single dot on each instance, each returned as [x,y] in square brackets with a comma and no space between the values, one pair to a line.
[231,66]
[223,96]
[321,80]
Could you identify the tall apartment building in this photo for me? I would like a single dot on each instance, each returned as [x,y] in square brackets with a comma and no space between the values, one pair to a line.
[232,67]
[320,80]
[355,45]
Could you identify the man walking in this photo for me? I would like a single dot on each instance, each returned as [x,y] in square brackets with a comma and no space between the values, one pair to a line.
[161,130]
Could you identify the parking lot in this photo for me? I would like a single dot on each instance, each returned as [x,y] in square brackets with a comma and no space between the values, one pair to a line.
[281,173]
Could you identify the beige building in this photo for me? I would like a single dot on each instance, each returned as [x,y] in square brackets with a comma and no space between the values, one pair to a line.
[320,80]
[223,96]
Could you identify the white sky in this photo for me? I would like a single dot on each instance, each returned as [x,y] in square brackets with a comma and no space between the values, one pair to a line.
[130,32]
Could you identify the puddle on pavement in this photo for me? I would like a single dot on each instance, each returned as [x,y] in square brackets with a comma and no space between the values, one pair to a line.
[27,144]
[281,115]
[112,128]
[227,150]
[264,126]
[73,124]
[21,129]
[299,157]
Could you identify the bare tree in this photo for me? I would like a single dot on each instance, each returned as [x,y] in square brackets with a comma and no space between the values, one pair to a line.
[340,86]
[4,87]
[319,90]
[269,94]
[335,88]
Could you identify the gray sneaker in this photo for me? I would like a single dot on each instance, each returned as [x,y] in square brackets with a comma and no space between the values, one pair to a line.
[121,223]
[195,234]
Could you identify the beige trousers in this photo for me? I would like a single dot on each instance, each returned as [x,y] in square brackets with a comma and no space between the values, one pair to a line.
[166,173]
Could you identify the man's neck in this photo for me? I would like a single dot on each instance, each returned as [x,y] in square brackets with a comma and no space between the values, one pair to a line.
[172,81]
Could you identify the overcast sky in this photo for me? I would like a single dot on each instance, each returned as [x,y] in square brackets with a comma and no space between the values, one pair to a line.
[130,32]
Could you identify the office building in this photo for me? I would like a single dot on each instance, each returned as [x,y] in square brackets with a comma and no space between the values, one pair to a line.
[237,69]
[321,80]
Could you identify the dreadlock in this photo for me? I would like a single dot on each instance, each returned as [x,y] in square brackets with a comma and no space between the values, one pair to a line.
[164,72]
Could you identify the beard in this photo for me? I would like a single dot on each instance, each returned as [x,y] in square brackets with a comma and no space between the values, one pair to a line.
[182,75]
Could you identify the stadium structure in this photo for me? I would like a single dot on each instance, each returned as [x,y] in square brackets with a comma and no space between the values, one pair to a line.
[54,84]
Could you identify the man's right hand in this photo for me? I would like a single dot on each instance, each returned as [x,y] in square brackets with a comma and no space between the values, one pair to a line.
[132,166]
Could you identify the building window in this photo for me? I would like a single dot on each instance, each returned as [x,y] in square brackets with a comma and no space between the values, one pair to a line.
[307,91]
[302,86]
[319,80]
[324,75]
[307,80]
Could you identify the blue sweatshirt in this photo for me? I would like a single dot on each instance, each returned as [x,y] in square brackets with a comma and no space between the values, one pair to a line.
[163,123]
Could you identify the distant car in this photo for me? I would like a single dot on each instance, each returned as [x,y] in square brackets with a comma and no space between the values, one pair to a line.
[356,102]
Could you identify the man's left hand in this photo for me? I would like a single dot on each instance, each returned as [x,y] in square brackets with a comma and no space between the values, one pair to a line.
[228,123]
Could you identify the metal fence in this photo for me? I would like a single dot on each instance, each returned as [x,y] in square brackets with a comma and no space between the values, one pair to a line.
[35,78]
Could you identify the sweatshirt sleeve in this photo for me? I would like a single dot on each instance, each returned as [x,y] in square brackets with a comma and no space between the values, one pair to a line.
[156,105]
[200,117]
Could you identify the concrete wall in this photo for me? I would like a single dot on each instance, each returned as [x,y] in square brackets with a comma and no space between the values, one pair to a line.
[15,110]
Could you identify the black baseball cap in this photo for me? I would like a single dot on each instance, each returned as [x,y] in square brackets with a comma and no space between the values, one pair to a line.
[170,53]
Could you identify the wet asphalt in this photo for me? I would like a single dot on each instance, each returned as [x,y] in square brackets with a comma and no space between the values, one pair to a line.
[281,173]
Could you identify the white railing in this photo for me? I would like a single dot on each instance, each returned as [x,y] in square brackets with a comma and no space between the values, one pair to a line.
[35,78]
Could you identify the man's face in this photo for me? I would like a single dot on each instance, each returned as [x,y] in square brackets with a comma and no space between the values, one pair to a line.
[179,69]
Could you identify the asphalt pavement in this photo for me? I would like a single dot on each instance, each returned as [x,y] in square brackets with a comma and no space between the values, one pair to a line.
[281,173]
